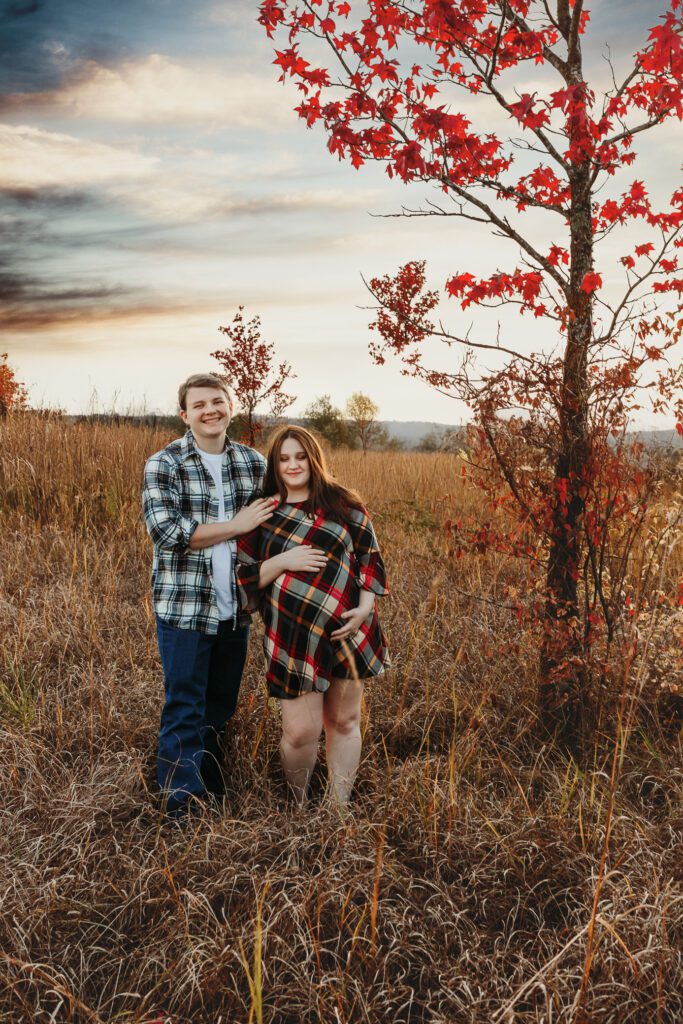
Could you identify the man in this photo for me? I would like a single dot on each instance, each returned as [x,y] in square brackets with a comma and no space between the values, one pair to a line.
[200,493]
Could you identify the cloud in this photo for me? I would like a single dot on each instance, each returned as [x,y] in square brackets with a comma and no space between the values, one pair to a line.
[16,287]
[22,8]
[53,199]
[177,199]
[158,90]
[300,202]
[28,320]
[45,174]
[28,302]
[237,14]
[79,309]
[31,304]
[32,158]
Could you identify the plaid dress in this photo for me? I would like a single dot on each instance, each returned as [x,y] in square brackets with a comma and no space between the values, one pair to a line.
[300,610]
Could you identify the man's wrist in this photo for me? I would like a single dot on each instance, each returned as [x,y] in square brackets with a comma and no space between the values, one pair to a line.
[230,531]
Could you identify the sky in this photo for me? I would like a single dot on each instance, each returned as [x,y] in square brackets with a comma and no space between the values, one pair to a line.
[154,177]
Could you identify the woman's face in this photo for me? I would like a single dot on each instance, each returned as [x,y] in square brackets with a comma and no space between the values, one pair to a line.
[294,469]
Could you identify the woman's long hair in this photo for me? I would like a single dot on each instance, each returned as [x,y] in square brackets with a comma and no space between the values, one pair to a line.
[324,492]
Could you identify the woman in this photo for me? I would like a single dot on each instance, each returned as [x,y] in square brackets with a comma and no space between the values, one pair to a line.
[313,571]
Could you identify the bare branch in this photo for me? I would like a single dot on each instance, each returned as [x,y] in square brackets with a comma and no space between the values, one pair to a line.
[563,18]
[508,475]
[551,19]
[510,232]
[627,298]
[447,336]
[634,131]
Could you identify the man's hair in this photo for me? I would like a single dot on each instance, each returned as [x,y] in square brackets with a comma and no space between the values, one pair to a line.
[202,380]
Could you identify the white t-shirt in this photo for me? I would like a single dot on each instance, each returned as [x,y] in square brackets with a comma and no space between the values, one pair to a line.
[221,555]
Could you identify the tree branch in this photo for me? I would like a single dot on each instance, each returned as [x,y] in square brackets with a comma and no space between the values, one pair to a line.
[573,43]
[507,229]
[507,474]
[549,54]
[626,298]
[466,342]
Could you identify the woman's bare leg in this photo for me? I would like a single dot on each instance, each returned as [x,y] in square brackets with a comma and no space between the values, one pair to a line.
[302,722]
[341,718]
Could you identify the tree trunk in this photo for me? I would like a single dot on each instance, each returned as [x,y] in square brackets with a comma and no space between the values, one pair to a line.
[562,696]
[251,423]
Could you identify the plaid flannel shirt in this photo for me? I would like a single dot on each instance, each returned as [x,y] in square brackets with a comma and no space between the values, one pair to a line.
[179,494]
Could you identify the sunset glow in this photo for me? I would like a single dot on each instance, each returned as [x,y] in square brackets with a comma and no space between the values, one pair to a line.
[154,176]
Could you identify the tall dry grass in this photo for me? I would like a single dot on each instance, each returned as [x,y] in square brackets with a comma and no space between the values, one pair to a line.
[459,888]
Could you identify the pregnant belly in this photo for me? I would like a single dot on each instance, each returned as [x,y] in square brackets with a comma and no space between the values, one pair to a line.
[313,599]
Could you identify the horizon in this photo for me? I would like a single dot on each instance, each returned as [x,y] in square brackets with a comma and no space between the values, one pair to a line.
[142,414]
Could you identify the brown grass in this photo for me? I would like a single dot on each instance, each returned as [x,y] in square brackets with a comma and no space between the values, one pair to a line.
[460,886]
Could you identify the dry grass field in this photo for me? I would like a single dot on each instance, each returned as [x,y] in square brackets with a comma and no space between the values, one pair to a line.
[459,888]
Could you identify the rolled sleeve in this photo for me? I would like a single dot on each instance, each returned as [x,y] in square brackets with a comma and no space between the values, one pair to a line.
[168,528]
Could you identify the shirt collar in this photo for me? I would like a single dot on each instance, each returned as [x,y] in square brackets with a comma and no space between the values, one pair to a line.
[188,446]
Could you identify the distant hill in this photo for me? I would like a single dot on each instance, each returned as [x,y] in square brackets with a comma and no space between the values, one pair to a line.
[659,438]
[410,432]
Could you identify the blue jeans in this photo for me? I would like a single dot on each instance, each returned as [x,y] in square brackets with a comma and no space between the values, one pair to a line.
[202,675]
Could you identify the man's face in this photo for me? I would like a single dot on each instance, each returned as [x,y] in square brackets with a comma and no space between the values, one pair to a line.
[207,412]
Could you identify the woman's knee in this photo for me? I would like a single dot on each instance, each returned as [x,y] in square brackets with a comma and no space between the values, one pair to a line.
[300,734]
[343,722]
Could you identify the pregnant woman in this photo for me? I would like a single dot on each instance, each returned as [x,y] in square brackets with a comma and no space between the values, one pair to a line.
[313,571]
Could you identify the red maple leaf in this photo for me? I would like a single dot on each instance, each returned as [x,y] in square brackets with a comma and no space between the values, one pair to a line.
[525,113]
[456,286]
[591,282]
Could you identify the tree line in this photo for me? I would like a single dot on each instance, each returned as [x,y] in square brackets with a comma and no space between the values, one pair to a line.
[260,384]
[256,379]
[13,394]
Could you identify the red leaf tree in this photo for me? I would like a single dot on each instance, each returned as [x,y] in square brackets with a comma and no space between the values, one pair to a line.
[13,394]
[386,80]
[249,366]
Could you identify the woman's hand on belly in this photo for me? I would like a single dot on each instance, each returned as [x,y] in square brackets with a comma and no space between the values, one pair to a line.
[304,558]
[355,617]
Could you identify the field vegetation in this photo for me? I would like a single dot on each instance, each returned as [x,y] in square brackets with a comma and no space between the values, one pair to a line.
[479,877]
